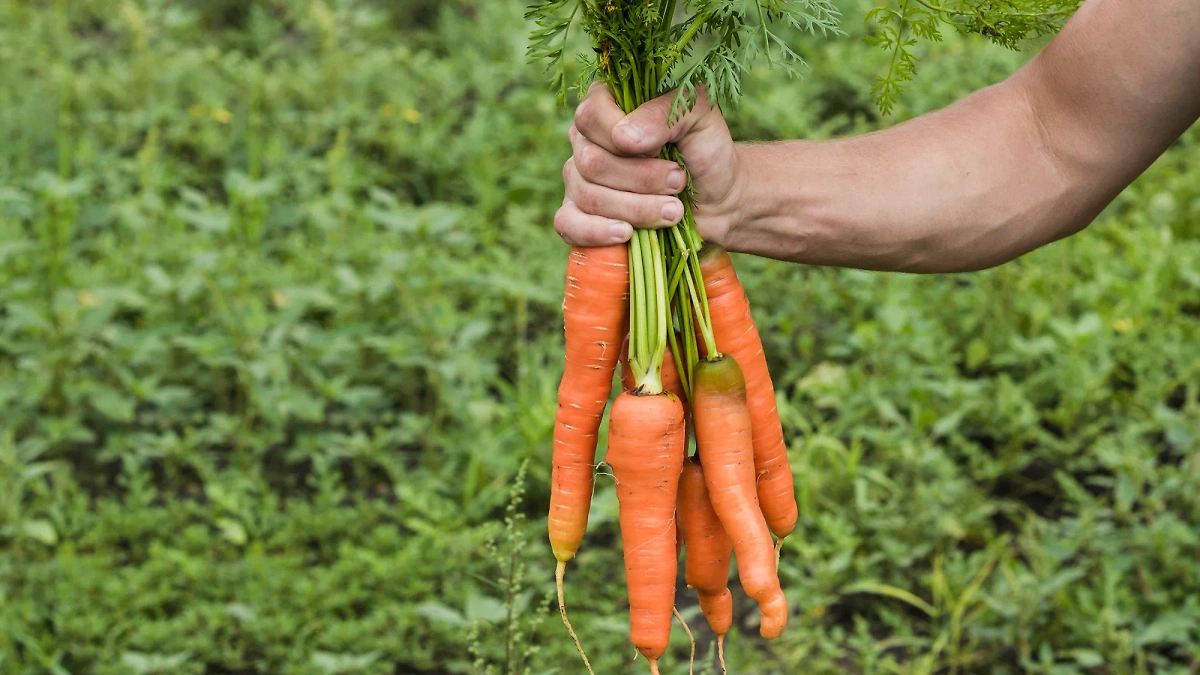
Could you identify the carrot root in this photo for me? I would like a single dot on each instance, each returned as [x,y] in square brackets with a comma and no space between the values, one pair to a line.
[721,652]
[691,639]
[778,549]
[562,609]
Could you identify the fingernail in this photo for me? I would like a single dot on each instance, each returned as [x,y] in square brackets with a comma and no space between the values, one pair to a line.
[631,131]
[672,211]
[677,179]
[621,231]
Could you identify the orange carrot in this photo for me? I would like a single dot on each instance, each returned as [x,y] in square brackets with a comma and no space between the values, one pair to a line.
[709,550]
[646,448]
[724,441]
[737,336]
[595,311]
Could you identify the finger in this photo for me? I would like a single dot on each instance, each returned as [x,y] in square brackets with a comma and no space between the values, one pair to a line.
[636,209]
[628,174]
[646,130]
[596,116]
[582,229]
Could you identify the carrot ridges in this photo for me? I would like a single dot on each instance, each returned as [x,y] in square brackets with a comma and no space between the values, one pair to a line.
[646,449]
[724,441]
[595,311]
[709,549]
[737,336]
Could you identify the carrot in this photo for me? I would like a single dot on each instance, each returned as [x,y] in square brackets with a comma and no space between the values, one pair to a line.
[724,442]
[646,448]
[595,311]
[709,550]
[737,336]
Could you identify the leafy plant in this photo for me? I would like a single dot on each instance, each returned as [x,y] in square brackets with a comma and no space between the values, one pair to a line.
[901,24]
[269,363]
[521,614]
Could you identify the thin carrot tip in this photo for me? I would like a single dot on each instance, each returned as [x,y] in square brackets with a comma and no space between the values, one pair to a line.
[721,652]
[562,609]
[691,639]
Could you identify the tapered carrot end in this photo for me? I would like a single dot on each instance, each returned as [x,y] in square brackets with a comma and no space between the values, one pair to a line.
[691,639]
[778,548]
[653,666]
[562,609]
[721,652]
[774,618]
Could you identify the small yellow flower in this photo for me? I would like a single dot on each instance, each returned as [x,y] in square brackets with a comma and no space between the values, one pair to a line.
[197,110]
[411,116]
[386,110]
[87,299]
[222,115]
[1123,325]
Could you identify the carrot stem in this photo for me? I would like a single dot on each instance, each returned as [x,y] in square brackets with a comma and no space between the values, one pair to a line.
[638,343]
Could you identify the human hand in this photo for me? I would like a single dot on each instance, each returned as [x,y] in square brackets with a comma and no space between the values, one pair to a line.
[615,182]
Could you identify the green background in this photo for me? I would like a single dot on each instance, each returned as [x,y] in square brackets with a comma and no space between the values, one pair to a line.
[280,322]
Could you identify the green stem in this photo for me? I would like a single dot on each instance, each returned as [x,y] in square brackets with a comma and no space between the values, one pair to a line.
[667,16]
[638,341]
[678,266]
[700,305]
[637,80]
[660,286]
[697,22]
[691,357]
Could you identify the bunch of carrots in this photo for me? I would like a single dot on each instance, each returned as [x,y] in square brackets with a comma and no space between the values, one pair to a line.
[670,310]
[730,496]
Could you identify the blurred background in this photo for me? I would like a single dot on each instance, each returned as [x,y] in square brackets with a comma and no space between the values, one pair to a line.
[280,337]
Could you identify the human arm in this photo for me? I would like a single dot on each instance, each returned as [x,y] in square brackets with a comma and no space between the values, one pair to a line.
[1000,173]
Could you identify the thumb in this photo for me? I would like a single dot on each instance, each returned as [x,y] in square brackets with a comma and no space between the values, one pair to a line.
[646,130]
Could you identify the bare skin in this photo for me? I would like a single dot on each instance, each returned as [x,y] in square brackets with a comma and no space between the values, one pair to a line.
[1002,172]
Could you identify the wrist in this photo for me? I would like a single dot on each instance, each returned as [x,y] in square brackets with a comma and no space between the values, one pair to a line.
[744,205]
[771,211]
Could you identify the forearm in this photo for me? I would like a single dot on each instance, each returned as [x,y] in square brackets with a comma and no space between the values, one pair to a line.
[964,188]
[1002,172]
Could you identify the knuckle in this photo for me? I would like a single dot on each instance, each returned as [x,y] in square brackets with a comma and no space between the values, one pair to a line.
[561,221]
[655,175]
[583,113]
[566,171]
[590,160]
[650,212]
[587,200]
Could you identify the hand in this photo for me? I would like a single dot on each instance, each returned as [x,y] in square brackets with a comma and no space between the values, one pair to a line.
[614,181]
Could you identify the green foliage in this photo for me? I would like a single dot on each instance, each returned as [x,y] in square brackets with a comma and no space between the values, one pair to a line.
[711,45]
[279,325]
[511,651]
[900,24]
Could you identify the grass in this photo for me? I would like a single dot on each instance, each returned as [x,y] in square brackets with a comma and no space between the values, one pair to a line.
[279,327]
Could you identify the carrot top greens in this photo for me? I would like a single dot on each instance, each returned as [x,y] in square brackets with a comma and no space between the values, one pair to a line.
[642,49]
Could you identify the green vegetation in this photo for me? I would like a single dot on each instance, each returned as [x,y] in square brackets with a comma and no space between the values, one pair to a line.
[279,325]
